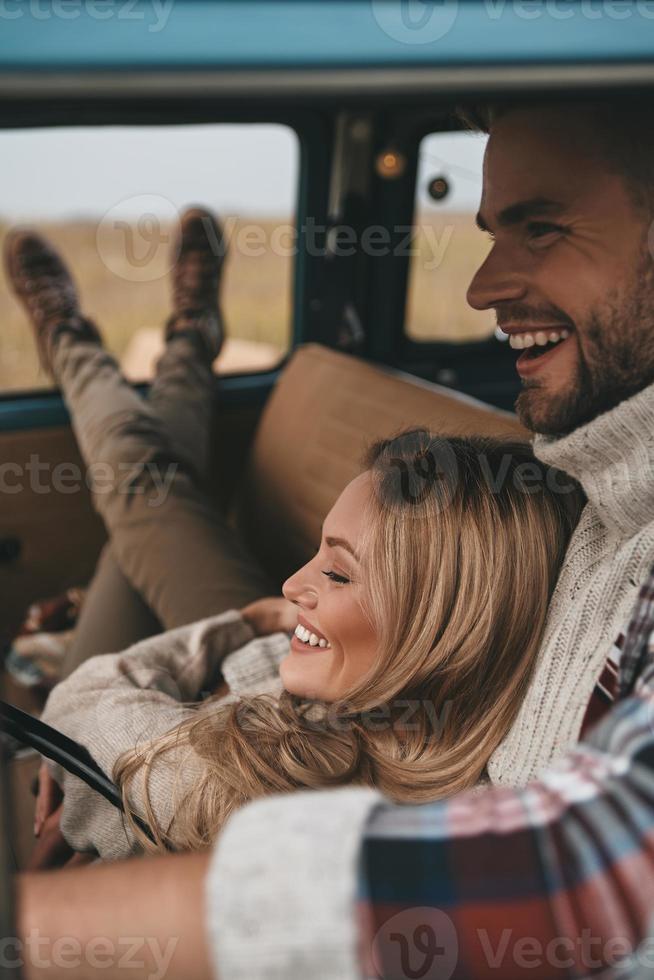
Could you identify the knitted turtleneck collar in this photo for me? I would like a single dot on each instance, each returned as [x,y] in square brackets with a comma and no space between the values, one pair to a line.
[612,457]
[608,557]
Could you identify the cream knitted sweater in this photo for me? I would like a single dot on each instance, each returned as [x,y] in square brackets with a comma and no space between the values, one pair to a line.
[117,701]
[609,556]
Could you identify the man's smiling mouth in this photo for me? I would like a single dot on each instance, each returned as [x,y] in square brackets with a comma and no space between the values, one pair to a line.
[536,341]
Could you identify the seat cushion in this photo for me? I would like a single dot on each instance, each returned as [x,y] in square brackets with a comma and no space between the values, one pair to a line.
[325,409]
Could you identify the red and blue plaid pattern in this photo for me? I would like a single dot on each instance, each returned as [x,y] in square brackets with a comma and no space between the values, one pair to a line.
[555,880]
[606,691]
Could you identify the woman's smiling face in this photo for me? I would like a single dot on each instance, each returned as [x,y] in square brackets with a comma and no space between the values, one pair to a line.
[328,592]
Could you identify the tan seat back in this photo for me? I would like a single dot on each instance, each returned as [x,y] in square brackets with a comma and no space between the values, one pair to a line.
[325,409]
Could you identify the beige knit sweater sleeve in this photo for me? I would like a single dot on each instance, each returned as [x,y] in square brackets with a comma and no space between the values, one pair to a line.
[116,702]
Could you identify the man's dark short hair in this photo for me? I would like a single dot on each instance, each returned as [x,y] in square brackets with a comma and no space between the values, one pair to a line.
[625,140]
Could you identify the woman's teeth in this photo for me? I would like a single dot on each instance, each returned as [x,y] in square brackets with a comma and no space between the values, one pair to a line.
[520,341]
[311,640]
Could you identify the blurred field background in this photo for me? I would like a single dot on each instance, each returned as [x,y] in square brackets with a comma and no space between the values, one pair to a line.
[257,296]
[448,250]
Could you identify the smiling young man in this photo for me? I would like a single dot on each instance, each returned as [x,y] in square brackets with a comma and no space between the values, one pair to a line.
[554,879]
[568,200]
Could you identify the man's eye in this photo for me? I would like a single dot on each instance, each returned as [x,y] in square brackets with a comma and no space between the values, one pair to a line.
[538,229]
[335,577]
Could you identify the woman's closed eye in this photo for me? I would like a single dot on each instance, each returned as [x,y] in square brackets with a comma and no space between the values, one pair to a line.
[332,575]
[335,577]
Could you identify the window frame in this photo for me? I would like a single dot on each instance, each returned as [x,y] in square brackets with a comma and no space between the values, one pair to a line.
[413,344]
[483,369]
[41,407]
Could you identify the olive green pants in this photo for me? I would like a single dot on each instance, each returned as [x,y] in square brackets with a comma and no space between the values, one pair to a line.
[171,557]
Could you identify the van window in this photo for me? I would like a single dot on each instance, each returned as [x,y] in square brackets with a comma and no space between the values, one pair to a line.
[448,247]
[110,198]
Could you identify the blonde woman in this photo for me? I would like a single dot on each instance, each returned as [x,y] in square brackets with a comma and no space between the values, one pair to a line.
[415,630]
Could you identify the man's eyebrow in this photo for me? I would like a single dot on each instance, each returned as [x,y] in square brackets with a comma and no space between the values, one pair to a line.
[515,213]
[342,543]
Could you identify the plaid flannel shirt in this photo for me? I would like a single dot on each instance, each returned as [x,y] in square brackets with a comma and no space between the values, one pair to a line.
[554,880]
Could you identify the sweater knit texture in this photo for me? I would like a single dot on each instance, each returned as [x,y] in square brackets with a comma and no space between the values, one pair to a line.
[608,558]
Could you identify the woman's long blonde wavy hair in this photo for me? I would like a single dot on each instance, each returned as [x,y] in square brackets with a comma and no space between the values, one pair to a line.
[464,540]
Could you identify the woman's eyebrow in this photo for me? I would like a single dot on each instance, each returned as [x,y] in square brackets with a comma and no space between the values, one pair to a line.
[342,543]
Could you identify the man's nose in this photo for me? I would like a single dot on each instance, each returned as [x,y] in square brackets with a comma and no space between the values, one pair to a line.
[301,589]
[497,280]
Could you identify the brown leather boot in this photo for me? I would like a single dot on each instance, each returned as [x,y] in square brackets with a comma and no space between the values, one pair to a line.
[196,278]
[42,283]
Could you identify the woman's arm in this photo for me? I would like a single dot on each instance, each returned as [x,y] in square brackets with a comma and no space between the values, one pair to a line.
[109,703]
[116,702]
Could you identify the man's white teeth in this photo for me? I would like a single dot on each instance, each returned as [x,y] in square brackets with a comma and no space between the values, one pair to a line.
[310,638]
[521,341]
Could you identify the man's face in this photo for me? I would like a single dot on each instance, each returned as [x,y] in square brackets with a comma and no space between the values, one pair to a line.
[569,260]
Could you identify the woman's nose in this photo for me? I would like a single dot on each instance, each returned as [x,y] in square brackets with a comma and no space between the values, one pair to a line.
[300,588]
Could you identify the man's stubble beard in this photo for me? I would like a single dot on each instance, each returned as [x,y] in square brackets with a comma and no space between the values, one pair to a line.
[615,363]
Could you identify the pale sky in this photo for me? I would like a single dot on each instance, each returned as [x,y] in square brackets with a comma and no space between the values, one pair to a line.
[76,173]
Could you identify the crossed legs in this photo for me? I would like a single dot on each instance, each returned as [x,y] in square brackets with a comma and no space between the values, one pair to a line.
[171,557]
